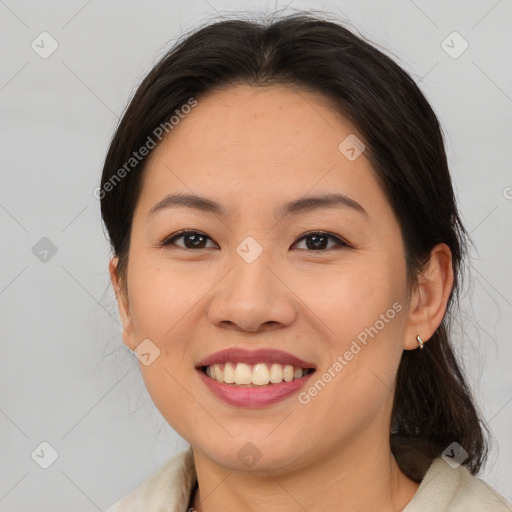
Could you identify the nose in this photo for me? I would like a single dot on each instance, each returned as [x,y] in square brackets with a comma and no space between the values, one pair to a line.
[253,297]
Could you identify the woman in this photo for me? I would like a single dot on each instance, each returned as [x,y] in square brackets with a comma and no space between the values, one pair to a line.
[287,252]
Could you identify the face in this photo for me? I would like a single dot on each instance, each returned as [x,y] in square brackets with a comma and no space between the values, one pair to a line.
[253,276]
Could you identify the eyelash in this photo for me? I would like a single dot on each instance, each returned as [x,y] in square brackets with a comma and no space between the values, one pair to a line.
[340,242]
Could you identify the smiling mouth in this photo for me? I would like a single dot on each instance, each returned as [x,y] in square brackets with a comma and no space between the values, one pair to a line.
[254,375]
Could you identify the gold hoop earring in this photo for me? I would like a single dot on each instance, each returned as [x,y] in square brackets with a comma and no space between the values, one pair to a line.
[420,342]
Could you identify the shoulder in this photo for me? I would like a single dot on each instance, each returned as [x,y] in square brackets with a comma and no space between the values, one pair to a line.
[445,488]
[166,490]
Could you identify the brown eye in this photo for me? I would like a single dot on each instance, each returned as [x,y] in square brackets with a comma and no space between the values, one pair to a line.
[318,241]
[192,240]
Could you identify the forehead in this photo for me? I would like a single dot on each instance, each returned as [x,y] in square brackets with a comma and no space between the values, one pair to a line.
[255,145]
[251,115]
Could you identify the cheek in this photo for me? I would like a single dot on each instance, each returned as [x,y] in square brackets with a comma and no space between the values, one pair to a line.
[161,299]
[168,391]
[353,300]
[356,384]
[363,312]
[162,303]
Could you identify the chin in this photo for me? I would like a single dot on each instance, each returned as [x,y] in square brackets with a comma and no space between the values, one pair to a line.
[248,453]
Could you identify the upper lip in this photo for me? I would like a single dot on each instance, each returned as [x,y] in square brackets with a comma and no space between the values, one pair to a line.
[240,355]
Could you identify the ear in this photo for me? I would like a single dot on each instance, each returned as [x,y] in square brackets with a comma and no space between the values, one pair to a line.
[429,299]
[122,303]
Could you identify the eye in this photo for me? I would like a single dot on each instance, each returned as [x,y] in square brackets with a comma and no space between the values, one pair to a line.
[193,239]
[319,240]
[315,241]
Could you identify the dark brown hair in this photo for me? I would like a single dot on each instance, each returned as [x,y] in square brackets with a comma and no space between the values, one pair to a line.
[433,406]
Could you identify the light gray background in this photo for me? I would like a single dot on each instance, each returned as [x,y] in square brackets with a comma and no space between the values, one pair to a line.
[65,376]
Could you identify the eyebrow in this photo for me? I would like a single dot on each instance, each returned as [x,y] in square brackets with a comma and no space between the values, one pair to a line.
[295,207]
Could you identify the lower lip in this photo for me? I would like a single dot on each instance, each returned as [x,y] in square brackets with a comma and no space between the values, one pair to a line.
[253,396]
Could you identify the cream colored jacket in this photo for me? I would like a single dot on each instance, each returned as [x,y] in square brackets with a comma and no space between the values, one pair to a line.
[443,489]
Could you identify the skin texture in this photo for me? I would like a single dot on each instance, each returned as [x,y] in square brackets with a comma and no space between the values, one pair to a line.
[251,149]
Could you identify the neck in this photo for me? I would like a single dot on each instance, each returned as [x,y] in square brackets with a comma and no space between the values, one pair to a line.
[356,478]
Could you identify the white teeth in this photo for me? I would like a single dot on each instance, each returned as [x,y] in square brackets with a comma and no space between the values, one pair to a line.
[243,374]
[229,373]
[288,373]
[276,373]
[260,374]
[219,374]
